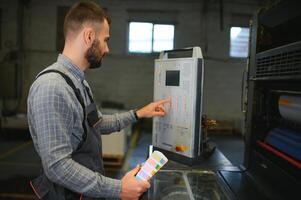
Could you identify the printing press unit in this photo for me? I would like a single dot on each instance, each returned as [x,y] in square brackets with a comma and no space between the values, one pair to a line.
[273,120]
[272,161]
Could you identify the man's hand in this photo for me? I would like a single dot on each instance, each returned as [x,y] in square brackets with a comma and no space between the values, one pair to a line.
[131,188]
[153,109]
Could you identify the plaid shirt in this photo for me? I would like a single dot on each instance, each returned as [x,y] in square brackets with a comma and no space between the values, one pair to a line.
[55,122]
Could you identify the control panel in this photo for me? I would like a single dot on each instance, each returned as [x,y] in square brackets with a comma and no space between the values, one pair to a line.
[181,80]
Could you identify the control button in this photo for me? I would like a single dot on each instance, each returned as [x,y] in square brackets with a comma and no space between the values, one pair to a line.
[180,148]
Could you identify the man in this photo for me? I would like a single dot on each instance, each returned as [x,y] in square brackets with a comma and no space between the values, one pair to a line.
[64,123]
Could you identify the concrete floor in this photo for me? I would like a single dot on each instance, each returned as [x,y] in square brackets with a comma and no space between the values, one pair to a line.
[19,162]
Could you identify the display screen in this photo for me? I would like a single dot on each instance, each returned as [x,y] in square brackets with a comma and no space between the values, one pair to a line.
[172,78]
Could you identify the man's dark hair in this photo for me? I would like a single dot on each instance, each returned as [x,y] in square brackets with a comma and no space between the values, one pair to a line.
[81,13]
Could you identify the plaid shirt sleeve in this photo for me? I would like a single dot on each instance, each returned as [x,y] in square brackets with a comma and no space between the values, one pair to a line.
[51,117]
[116,122]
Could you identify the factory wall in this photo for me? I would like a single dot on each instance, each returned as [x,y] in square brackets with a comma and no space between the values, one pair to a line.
[128,78]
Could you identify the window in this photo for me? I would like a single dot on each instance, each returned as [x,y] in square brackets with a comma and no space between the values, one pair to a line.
[148,37]
[239,42]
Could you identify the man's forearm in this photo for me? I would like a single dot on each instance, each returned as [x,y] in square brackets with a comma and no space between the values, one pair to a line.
[115,122]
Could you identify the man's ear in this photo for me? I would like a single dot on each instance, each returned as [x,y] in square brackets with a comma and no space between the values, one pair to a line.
[88,36]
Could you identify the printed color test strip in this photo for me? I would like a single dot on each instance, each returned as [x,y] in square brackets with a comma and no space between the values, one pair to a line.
[151,166]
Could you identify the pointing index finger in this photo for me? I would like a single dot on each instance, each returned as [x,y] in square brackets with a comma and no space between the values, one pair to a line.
[163,101]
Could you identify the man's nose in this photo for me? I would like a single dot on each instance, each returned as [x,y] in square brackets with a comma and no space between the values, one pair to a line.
[107,49]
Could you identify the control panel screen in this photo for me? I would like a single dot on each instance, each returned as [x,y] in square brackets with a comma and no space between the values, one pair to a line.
[172,78]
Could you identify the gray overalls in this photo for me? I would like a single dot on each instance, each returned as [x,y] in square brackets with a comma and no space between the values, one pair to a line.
[88,152]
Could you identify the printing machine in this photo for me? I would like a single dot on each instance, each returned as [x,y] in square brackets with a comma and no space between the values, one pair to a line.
[272,161]
[273,128]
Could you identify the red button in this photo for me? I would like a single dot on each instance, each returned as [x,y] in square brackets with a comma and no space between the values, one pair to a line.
[178,148]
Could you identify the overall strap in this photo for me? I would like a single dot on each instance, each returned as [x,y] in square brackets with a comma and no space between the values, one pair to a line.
[77,94]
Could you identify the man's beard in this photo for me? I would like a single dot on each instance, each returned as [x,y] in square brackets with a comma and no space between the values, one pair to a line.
[92,56]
